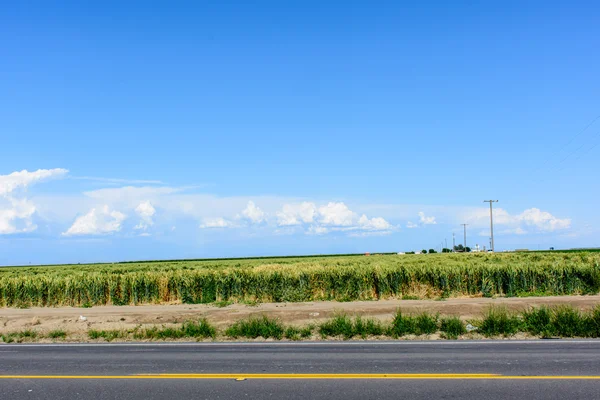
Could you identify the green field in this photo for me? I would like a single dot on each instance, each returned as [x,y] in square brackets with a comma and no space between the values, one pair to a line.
[341,278]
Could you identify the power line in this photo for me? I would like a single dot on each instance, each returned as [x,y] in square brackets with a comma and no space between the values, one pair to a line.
[567,144]
[580,154]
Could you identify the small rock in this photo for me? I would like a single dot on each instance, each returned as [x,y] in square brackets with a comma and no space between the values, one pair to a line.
[314,314]
[82,318]
[471,328]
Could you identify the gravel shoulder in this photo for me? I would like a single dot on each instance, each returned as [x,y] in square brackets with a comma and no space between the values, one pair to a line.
[127,317]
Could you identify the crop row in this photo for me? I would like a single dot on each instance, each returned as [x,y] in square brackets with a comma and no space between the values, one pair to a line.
[360,279]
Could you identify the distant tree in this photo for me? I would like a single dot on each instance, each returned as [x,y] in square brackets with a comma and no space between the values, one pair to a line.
[445,250]
[423,251]
[431,251]
[459,248]
[468,249]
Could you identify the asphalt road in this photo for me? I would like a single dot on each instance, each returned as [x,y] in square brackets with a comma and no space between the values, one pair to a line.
[349,370]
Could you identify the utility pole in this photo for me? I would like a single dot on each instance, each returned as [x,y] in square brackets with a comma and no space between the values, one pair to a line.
[491,221]
[453,241]
[465,228]
[446,241]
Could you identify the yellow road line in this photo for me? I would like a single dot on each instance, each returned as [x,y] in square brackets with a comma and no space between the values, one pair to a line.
[310,376]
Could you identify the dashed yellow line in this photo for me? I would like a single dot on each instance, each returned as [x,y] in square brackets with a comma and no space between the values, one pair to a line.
[310,376]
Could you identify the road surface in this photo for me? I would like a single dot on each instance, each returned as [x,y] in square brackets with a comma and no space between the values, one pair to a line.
[326,370]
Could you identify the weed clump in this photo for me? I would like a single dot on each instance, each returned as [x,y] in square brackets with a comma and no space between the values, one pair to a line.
[57,334]
[108,335]
[538,321]
[294,333]
[253,328]
[344,326]
[452,327]
[568,322]
[498,321]
[198,330]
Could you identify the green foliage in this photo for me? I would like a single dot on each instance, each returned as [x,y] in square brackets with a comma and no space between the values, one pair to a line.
[222,282]
[342,325]
[294,333]
[57,334]
[452,327]
[568,322]
[423,251]
[422,324]
[401,325]
[108,335]
[19,336]
[426,324]
[498,321]
[253,328]
[432,251]
[538,321]
[198,330]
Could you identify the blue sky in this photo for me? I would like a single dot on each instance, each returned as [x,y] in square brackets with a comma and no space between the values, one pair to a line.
[210,129]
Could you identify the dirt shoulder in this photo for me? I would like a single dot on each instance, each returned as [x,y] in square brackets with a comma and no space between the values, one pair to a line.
[128,317]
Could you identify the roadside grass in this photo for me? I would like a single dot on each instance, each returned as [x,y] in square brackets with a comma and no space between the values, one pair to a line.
[401,325]
[108,335]
[452,327]
[201,329]
[343,325]
[426,324]
[19,336]
[295,333]
[538,321]
[421,324]
[498,321]
[57,334]
[568,322]
[544,322]
[254,327]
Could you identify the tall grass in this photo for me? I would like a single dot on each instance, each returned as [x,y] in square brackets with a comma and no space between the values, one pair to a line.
[346,327]
[253,328]
[302,279]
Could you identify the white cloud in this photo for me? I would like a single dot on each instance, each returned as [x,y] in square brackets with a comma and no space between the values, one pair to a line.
[532,220]
[543,221]
[296,214]
[512,231]
[411,225]
[317,230]
[118,180]
[216,223]
[146,211]
[17,218]
[97,222]
[336,214]
[369,233]
[331,217]
[16,213]
[23,179]
[426,220]
[373,224]
[253,213]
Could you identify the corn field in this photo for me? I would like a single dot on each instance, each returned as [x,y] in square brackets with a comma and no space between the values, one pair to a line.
[302,279]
